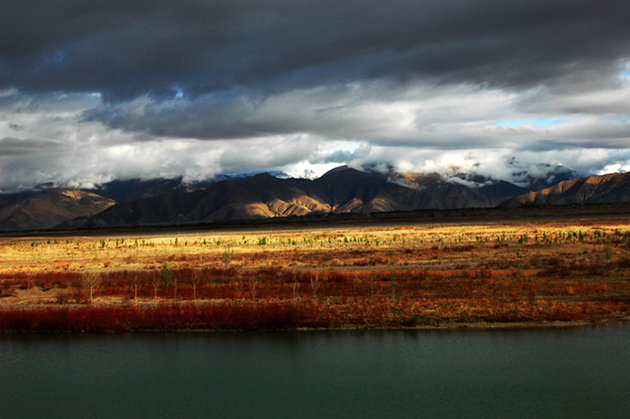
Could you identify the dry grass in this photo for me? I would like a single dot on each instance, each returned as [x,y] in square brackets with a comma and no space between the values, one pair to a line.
[378,276]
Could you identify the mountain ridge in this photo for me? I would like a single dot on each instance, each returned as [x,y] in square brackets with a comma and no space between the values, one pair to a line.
[265,196]
[608,188]
[341,190]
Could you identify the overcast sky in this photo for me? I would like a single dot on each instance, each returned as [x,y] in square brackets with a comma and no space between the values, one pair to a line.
[96,90]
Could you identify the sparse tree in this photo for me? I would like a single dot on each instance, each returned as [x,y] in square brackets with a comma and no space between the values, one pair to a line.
[90,282]
[136,284]
[228,252]
[174,283]
[372,286]
[238,287]
[166,275]
[294,287]
[196,277]
[315,284]
[156,281]
[253,283]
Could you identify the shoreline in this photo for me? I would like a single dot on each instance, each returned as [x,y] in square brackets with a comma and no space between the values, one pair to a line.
[185,318]
[463,327]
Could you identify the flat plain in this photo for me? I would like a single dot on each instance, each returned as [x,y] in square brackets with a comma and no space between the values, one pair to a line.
[456,274]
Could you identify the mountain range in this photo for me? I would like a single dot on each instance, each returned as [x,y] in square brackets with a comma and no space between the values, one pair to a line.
[610,188]
[342,190]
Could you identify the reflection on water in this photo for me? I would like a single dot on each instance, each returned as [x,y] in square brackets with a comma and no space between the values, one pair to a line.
[582,372]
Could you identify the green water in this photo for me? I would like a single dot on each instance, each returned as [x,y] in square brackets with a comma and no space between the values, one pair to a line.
[583,372]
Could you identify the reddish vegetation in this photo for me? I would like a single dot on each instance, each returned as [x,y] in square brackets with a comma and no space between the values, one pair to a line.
[360,278]
[161,317]
[275,298]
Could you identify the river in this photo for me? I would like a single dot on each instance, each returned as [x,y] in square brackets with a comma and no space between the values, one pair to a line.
[575,372]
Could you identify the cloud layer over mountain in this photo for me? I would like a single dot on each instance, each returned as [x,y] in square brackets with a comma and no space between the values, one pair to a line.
[96,90]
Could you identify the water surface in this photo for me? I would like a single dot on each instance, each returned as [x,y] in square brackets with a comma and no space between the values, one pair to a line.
[580,372]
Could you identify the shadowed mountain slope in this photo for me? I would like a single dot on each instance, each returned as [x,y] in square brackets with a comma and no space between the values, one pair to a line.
[262,196]
[133,189]
[45,210]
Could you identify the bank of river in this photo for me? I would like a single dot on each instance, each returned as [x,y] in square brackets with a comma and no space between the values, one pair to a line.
[567,372]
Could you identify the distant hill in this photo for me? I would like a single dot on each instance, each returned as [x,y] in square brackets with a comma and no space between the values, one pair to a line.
[610,188]
[262,196]
[43,211]
[341,190]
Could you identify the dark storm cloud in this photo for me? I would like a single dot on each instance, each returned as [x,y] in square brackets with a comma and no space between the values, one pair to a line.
[209,117]
[124,49]
[16,147]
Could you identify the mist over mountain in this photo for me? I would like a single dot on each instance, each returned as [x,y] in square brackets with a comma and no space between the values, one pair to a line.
[138,202]
[473,185]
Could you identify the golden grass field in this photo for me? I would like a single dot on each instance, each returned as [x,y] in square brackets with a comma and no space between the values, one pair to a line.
[543,272]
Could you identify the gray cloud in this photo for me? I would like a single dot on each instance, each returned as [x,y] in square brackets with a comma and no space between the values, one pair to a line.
[16,147]
[126,49]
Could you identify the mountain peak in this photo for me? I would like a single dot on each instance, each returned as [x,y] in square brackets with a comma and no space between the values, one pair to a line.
[264,175]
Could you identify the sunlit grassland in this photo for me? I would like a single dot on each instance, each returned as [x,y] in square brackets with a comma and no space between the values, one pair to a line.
[344,276]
